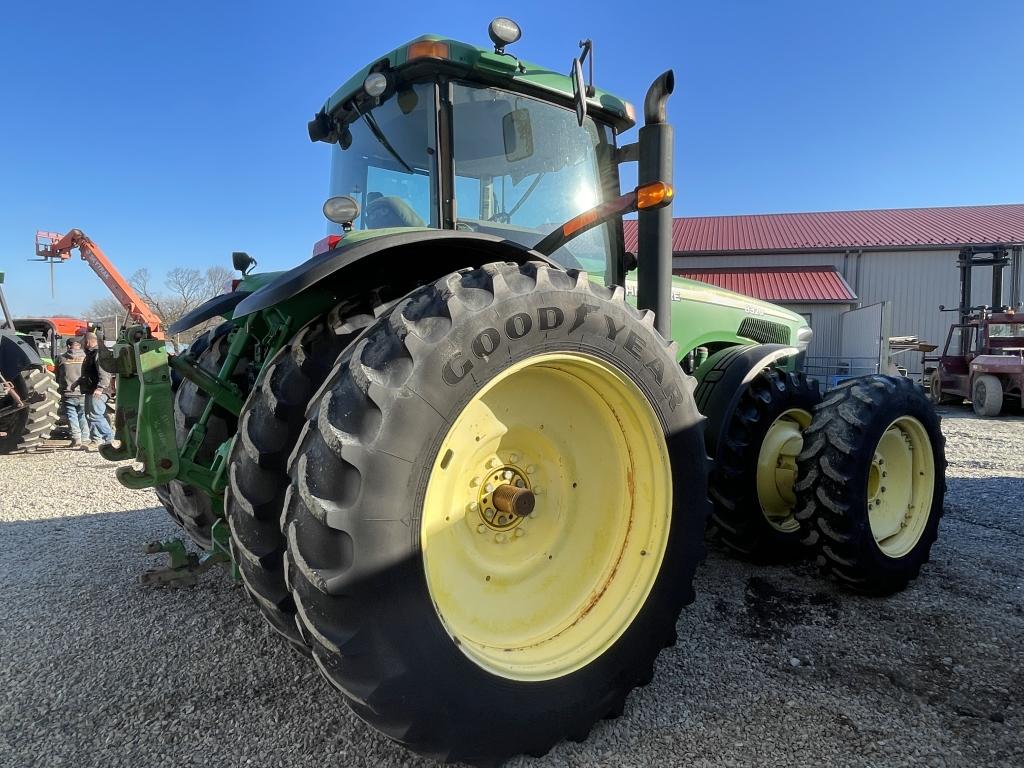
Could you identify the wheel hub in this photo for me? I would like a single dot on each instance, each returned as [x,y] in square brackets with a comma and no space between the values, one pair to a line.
[776,468]
[505,496]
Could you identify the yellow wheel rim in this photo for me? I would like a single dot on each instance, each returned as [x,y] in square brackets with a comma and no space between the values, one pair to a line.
[542,594]
[776,468]
[901,483]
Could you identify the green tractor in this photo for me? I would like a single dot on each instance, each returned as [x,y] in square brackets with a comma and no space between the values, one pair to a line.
[463,458]
[29,401]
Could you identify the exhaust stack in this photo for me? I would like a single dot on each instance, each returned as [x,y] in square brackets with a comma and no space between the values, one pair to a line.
[654,227]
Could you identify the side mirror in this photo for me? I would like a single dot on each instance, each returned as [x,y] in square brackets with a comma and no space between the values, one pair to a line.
[579,90]
[242,261]
[629,262]
[518,133]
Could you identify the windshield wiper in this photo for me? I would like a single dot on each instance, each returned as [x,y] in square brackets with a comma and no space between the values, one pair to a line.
[526,194]
[378,134]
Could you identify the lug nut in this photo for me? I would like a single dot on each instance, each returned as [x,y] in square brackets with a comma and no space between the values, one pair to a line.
[520,533]
[474,482]
[492,463]
[499,537]
[520,483]
[507,474]
[481,528]
[474,507]
[489,487]
[531,469]
[513,458]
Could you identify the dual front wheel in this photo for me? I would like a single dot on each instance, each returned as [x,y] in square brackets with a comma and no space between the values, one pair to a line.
[854,480]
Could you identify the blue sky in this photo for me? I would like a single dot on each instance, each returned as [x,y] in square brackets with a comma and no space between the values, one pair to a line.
[174,133]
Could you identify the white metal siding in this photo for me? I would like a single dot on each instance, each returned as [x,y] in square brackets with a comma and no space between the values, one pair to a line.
[916,282]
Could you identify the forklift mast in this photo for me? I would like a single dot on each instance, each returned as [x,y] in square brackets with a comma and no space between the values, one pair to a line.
[998,258]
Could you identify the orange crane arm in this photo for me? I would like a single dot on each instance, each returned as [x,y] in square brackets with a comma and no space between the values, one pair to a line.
[61,247]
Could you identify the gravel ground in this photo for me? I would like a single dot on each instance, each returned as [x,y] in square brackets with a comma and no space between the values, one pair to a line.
[774,666]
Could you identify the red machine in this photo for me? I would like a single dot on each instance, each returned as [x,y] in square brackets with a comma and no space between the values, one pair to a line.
[54,247]
[983,358]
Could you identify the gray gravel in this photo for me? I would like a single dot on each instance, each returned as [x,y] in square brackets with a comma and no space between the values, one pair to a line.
[774,666]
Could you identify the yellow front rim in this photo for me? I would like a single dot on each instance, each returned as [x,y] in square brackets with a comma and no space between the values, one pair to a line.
[776,468]
[901,482]
[538,596]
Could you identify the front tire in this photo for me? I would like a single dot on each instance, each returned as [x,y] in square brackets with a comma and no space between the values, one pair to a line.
[441,626]
[987,395]
[753,476]
[872,482]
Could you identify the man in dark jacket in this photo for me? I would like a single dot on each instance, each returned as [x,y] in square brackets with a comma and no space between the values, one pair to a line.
[72,398]
[96,384]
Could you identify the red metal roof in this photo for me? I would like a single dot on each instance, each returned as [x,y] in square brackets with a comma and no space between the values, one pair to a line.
[831,230]
[817,285]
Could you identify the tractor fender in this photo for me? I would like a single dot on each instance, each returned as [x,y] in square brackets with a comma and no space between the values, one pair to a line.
[412,257]
[223,304]
[16,355]
[722,377]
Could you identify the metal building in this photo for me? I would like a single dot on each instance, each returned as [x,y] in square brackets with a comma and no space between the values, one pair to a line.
[900,262]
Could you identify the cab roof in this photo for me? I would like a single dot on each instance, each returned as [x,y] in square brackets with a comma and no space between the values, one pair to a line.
[490,68]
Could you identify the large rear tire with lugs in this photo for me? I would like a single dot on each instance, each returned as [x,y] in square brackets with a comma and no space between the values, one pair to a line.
[196,348]
[871,482]
[269,427]
[194,510]
[755,469]
[28,427]
[496,511]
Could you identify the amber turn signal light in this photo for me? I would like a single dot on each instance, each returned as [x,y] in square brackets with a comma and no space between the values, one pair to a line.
[653,195]
[427,49]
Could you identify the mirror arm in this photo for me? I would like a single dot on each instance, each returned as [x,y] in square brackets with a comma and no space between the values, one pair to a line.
[630,153]
[588,56]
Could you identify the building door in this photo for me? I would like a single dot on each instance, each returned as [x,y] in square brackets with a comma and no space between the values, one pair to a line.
[864,339]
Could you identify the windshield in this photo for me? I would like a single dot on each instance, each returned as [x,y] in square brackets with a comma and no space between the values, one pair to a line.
[523,167]
[389,166]
[1006,330]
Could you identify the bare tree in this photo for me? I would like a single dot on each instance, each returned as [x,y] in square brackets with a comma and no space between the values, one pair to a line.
[184,289]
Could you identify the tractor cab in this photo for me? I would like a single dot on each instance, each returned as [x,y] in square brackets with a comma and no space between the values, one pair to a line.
[1004,334]
[49,334]
[440,134]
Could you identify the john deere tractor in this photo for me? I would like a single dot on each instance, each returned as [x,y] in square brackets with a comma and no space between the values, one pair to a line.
[465,455]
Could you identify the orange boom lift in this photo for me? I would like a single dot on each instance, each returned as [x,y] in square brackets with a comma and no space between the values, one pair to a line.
[55,248]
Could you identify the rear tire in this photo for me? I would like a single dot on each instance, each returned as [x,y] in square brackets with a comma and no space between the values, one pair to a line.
[987,395]
[195,511]
[937,396]
[872,482]
[269,427]
[28,428]
[163,491]
[752,521]
[369,504]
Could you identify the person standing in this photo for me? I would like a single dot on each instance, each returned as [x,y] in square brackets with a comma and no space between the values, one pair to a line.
[96,384]
[69,384]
